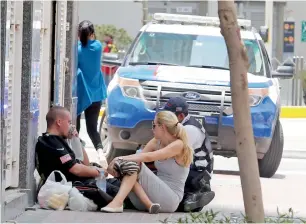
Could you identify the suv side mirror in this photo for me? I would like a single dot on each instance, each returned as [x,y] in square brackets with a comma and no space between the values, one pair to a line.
[264,33]
[284,72]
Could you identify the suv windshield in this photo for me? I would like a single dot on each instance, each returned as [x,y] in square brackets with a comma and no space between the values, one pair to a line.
[191,50]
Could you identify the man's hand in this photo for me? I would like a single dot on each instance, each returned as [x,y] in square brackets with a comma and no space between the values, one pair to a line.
[102,169]
[73,132]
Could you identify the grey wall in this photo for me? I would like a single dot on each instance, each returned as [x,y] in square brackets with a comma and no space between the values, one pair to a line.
[128,15]
[122,14]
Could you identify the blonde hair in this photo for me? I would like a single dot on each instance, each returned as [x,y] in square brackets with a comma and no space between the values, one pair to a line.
[176,129]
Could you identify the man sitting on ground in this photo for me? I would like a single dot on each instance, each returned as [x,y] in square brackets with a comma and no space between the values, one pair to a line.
[54,153]
[197,188]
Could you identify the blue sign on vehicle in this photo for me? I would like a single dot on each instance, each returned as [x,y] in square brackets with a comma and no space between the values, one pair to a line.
[211,120]
[289,37]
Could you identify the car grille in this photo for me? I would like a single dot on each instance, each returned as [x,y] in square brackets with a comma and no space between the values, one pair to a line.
[214,99]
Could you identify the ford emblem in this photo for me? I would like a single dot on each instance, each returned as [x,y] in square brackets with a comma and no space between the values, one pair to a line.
[191,96]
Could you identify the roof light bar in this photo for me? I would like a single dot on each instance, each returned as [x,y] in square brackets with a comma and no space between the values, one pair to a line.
[195,19]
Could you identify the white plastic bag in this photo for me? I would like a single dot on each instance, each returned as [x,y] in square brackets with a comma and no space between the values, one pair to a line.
[77,202]
[54,194]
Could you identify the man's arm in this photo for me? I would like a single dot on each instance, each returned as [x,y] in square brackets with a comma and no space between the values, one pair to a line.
[81,170]
[194,139]
[71,165]
[85,158]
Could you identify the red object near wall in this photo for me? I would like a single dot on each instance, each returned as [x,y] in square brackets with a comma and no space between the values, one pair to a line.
[109,70]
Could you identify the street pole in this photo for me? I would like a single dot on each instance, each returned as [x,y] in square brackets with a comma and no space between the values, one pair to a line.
[145,12]
[269,24]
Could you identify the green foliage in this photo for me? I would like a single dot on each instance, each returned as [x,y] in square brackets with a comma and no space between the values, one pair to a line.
[215,217]
[121,37]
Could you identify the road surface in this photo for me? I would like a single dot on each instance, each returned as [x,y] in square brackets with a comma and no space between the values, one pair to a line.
[285,190]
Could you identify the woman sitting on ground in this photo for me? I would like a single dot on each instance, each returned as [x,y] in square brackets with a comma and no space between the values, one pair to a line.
[172,157]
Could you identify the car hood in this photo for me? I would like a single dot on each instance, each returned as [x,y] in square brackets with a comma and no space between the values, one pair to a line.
[181,74]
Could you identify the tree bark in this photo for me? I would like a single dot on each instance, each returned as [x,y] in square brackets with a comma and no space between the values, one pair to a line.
[245,145]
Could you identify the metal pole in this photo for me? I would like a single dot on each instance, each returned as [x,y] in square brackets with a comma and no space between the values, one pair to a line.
[295,81]
[301,92]
[3,10]
[145,12]
[269,24]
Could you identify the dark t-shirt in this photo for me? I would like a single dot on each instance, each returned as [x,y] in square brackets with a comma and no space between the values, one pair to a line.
[54,153]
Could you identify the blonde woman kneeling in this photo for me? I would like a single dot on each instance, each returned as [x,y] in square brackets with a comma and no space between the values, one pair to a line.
[172,157]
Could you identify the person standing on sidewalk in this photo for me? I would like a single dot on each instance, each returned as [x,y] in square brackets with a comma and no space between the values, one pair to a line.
[91,86]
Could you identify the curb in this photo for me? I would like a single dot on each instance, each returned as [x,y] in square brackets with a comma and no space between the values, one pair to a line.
[286,112]
[294,154]
[293,112]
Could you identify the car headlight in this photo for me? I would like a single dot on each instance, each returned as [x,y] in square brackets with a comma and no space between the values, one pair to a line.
[254,100]
[132,91]
[256,96]
[129,87]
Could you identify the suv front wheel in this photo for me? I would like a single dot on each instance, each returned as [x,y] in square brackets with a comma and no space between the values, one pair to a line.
[269,164]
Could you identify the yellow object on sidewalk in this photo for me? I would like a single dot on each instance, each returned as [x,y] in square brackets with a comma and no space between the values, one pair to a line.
[293,112]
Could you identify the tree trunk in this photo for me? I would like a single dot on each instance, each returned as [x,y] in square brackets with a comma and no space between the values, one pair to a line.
[245,145]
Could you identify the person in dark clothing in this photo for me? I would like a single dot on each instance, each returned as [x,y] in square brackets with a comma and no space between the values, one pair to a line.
[52,153]
[197,187]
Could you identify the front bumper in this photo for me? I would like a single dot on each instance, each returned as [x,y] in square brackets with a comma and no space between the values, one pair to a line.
[129,124]
[142,133]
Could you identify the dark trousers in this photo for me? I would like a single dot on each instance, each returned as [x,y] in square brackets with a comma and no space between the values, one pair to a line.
[197,182]
[91,118]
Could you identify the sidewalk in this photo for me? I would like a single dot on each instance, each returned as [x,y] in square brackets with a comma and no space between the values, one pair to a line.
[281,192]
[48,216]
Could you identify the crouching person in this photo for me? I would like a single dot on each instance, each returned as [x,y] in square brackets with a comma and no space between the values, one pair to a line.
[197,188]
[54,153]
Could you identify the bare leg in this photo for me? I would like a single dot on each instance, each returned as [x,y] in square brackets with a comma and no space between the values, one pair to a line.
[153,208]
[141,194]
[127,184]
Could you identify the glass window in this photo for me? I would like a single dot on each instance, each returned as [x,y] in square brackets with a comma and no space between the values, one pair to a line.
[192,50]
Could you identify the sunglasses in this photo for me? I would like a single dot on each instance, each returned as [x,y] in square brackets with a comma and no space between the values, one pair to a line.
[154,125]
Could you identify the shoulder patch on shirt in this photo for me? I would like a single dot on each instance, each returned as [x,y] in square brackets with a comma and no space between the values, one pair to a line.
[65,158]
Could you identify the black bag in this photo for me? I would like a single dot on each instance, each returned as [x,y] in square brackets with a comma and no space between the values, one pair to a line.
[90,190]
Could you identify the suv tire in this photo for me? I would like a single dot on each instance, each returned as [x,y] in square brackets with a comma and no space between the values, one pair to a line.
[269,164]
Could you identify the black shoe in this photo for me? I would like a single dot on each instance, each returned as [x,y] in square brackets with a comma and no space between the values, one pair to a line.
[195,202]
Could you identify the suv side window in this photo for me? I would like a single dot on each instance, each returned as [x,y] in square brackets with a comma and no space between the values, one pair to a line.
[131,48]
[266,59]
